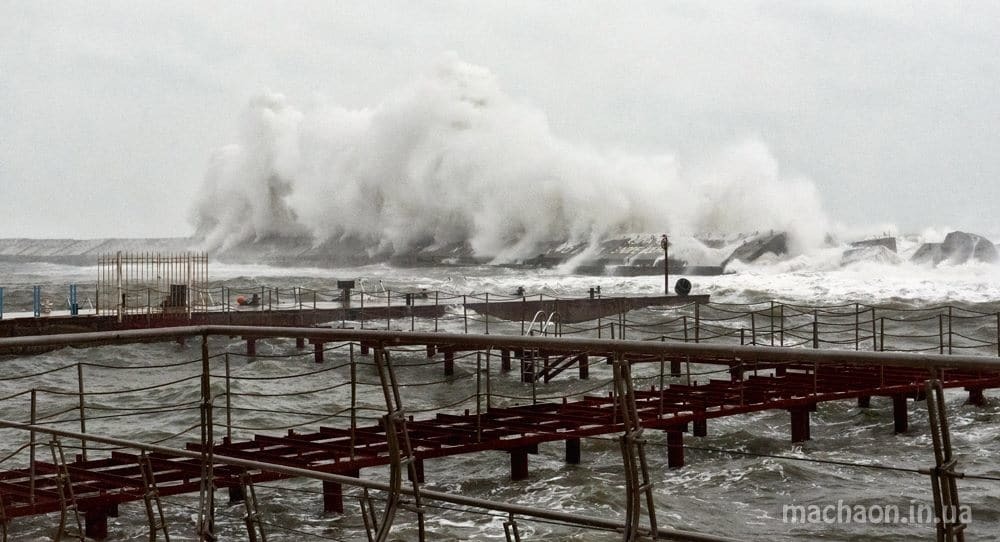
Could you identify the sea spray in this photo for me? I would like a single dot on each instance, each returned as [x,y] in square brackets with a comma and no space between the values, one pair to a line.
[452,159]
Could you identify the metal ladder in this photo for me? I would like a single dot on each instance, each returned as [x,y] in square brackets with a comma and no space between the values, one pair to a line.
[633,446]
[64,486]
[950,527]
[254,522]
[400,454]
[151,497]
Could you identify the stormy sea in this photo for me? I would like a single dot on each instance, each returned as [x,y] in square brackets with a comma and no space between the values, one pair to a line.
[737,481]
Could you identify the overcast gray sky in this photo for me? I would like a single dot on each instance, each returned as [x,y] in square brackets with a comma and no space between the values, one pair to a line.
[111,110]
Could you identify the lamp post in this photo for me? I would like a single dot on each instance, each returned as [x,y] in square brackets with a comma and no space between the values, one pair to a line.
[665,244]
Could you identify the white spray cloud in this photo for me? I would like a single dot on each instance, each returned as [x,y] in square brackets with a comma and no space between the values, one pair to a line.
[451,158]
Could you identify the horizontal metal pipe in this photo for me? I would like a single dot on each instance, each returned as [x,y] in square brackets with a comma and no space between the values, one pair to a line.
[564,344]
[516,509]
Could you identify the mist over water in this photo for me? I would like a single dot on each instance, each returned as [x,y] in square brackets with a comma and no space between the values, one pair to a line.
[451,158]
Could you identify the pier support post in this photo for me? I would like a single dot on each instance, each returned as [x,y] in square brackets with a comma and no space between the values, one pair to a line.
[96,523]
[675,368]
[573,451]
[519,463]
[333,494]
[700,428]
[364,349]
[900,419]
[449,362]
[675,447]
[976,397]
[505,361]
[251,347]
[865,401]
[800,424]
[431,351]
[418,466]
[584,361]
[300,342]
[236,494]
[318,351]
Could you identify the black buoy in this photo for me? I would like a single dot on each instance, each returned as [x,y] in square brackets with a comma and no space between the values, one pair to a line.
[682,287]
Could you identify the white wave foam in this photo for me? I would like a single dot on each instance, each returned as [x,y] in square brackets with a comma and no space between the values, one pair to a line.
[451,158]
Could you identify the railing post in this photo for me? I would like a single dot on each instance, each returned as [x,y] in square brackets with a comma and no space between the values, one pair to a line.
[206,514]
[770,317]
[362,316]
[436,292]
[857,327]
[882,334]
[32,441]
[950,332]
[815,329]
[83,411]
[697,322]
[465,314]
[489,385]
[874,343]
[486,316]
[940,334]
[753,329]
[388,310]
[229,403]
[354,398]
[781,321]
[479,380]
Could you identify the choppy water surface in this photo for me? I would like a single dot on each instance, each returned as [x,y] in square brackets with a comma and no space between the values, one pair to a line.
[719,493]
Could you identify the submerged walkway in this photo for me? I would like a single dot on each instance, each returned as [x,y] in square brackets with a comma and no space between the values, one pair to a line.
[759,379]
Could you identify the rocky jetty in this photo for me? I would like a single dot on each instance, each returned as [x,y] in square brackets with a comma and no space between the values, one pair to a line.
[874,253]
[958,247]
[775,243]
[888,242]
